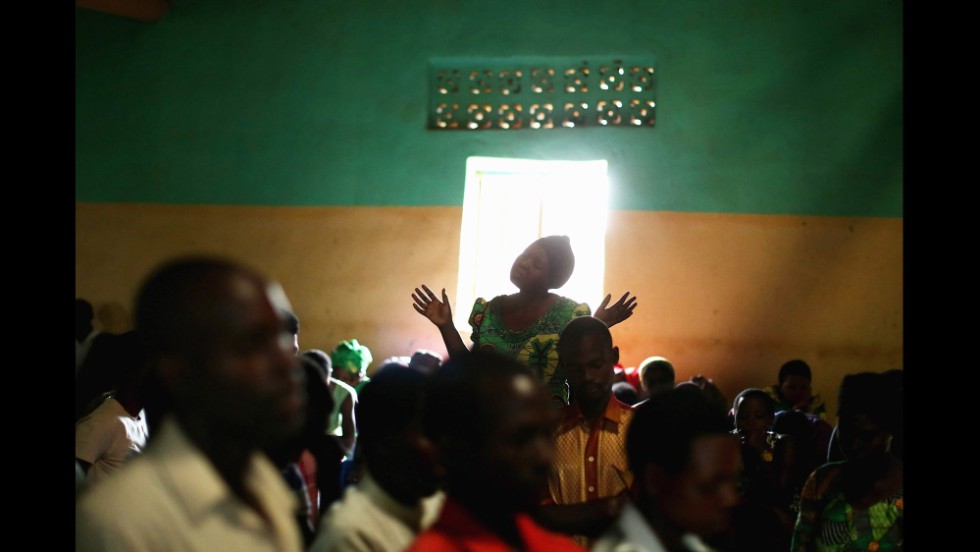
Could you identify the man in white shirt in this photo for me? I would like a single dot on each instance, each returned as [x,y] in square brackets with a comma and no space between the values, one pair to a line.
[230,386]
[687,466]
[116,430]
[108,437]
[396,498]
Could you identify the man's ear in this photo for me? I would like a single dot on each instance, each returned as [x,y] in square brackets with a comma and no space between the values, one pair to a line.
[615,355]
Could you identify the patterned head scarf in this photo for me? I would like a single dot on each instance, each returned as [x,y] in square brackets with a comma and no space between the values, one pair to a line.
[561,260]
[351,356]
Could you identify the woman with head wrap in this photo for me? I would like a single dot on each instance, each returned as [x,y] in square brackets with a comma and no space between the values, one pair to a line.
[857,504]
[350,361]
[525,325]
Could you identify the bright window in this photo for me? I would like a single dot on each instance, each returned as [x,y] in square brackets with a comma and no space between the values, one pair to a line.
[509,203]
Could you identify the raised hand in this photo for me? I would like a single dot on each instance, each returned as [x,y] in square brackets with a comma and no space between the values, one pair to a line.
[615,314]
[428,305]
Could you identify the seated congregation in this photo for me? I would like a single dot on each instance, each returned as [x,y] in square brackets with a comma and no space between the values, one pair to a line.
[208,427]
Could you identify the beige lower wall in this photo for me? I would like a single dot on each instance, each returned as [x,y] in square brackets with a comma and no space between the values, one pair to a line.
[729,296]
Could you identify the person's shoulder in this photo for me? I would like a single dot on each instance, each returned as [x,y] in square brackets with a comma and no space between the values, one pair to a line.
[345,386]
[827,472]
[480,306]
[572,303]
[494,302]
[132,501]
[569,412]
[817,406]
[135,478]
[343,526]
[567,308]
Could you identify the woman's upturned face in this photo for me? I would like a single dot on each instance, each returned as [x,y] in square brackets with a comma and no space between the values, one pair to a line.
[531,269]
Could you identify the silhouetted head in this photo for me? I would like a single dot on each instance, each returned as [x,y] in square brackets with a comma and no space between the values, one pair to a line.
[587,356]
[319,404]
[799,426]
[491,422]
[625,393]
[795,380]
[321,361]
[215,336]
[425,361]
[754,412]
[657,375]
[869,416]
[710,390]
[83,319]
[685,460]
[114,363]
[390,436]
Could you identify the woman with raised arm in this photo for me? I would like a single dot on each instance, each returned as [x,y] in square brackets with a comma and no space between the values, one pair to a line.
[525,325]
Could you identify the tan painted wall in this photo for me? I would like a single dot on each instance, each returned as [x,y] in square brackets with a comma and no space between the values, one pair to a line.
[729,296]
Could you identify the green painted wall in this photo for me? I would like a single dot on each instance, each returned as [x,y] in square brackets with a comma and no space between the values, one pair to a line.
[762,107]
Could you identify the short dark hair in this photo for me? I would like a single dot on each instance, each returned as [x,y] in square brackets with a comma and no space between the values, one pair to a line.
[579,327]
[795,367]
[83,311]
[319,401]
[625,393]
[664,427]
[876,395]
[649,367]
[455,395]
[177,301]
[321,361]
[754,393]
[389,404]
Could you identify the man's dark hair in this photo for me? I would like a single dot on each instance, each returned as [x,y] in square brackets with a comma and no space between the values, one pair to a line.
[389,404]
[320,360]
[625,393]
[795,367]
[664,428]
[456,404]
[582,326]
[177,304]
[876,395]
[653,367]
[754,393]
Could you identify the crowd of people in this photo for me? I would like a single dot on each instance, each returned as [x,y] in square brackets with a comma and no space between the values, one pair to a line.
[209,427]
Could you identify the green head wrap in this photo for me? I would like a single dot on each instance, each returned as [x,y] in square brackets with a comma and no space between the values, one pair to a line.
[351,356]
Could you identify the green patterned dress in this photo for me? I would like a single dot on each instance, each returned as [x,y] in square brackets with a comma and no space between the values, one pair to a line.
[537,346]
[827,523]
